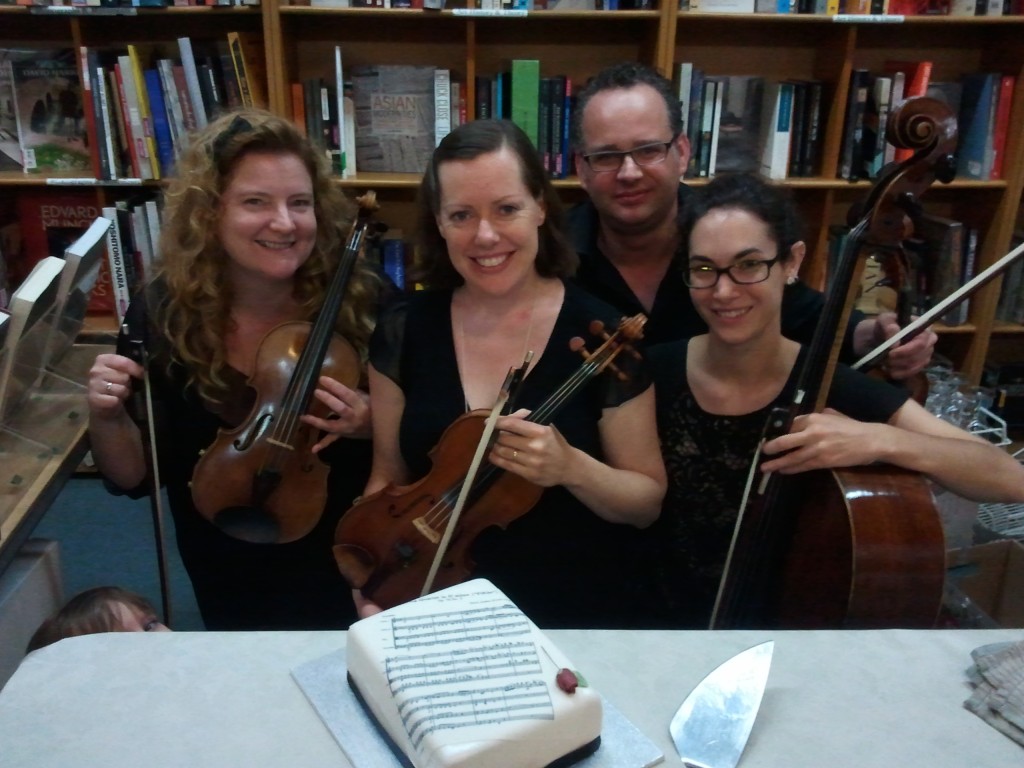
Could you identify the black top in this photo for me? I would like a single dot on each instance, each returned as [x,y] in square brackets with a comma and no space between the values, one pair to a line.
[707,458]
[673,315]
[239,585]
[560,563]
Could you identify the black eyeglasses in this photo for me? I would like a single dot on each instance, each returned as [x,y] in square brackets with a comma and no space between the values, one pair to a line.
[646,154]
[746,272]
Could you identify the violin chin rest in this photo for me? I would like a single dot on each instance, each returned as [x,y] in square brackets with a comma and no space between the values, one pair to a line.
[355,564]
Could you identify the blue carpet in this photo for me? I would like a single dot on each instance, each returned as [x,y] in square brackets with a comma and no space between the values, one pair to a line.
[106,539]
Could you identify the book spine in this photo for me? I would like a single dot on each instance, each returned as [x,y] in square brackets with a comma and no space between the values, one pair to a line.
[118,271]
[141,168]
[525,94]
[442,104]
[172,100]
[90,108]
[238,62]
[161,121]
[145,111]
[1002,125]
[188,63]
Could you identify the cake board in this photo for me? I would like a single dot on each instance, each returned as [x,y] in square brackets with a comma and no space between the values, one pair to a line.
[324,682]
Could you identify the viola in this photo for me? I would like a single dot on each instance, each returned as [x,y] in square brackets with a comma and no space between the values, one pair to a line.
[260,482]
[856,547]
[386,543]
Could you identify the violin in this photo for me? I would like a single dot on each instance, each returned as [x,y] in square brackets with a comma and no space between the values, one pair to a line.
[856,547]
[386,543]
[260,482]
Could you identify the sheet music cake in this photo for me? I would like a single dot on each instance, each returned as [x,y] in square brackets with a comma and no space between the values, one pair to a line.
[463,678]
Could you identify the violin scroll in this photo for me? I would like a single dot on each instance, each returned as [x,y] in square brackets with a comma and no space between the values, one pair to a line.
[630,330]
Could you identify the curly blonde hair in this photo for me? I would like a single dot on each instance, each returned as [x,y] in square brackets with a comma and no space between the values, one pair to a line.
[195,317]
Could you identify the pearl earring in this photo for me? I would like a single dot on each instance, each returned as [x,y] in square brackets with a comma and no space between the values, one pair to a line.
[791,279]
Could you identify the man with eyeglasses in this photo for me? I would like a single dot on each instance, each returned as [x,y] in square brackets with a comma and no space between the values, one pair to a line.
[630,153]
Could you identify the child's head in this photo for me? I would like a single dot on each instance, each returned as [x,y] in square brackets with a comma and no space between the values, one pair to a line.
[101,609]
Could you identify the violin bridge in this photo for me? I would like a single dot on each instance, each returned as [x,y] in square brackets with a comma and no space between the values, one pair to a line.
[428,533]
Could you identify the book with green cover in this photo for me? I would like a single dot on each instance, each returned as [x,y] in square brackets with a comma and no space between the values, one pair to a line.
[526,96]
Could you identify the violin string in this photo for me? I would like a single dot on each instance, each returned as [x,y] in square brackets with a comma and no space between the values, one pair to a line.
[301,385]
[439,513]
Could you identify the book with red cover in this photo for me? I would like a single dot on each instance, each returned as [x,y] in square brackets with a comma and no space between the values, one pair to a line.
[1003,105]
[50,221]
[918,74]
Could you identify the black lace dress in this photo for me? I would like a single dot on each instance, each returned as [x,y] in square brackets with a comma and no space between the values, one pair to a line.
[707,458]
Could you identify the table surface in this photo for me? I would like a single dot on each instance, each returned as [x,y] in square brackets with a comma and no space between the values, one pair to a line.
[834,698]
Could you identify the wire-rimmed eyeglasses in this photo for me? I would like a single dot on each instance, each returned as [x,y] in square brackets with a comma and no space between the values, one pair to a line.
[745,272]
[645,154]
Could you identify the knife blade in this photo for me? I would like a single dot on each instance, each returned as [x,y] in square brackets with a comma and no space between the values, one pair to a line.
[711,727]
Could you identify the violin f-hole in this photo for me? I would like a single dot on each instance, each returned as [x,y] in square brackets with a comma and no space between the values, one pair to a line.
[247,439]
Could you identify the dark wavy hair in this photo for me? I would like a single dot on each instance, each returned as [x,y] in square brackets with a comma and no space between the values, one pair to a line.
[626,75]
[748,192]
[193,263]
[555,257]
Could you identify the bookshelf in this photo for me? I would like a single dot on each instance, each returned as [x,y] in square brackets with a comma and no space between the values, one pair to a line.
[299,43]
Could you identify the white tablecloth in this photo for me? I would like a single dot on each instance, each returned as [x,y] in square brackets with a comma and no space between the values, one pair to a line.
[842,698]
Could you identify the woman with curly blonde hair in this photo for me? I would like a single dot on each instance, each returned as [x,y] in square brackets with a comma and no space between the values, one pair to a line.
[253,230]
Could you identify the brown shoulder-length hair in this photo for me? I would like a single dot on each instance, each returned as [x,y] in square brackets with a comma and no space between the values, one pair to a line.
[88,613]
[195,315]
[555,257]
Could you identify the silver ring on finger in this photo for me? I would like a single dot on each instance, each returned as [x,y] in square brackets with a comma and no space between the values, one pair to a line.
[110,387]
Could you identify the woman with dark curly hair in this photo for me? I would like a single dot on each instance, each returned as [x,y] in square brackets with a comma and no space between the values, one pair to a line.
[253,229]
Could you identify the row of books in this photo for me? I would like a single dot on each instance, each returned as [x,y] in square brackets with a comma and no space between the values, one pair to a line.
[745,123]
[516,6]
[120,112]
[860,7]
[142,102]
[126,3]
[980,101]
[389,118]
[541,106]
[939,257]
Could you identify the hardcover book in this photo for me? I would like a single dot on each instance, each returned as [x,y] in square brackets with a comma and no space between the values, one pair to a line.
[50,116]
[32,319]
[394,111]
[10,147]
[976,125]
[740,124]
[776,129]
[50,221]
[82,262]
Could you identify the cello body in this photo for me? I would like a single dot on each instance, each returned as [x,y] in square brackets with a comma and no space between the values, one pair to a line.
[867,552]
[860,547]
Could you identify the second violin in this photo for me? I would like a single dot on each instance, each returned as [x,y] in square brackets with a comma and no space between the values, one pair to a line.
[386,543]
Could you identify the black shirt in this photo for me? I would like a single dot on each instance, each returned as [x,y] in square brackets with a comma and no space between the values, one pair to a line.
[673,315]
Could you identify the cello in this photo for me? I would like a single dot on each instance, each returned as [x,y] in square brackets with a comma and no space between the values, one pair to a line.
[260,482]
[855,547]
[387,542]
